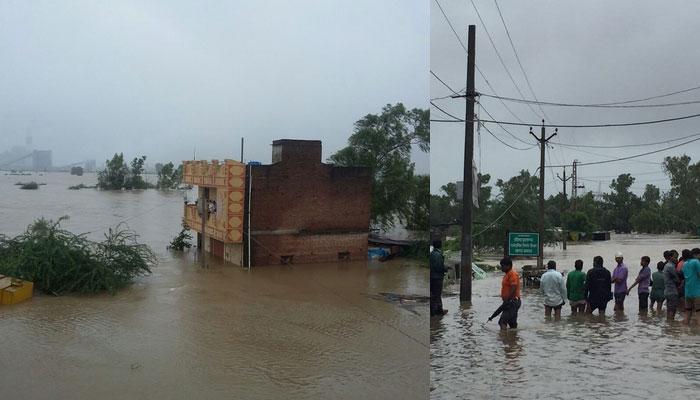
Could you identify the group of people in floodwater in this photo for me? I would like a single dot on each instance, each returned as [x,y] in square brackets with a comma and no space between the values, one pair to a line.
[676,283]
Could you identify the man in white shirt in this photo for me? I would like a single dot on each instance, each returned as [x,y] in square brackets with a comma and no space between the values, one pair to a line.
[553,288]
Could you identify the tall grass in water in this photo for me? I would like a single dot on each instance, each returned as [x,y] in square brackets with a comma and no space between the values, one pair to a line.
[59,262]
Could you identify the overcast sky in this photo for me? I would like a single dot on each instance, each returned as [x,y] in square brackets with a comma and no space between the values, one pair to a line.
[90,78]
[573,52]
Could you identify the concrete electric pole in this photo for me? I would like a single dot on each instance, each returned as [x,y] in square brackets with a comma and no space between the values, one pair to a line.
[540,220]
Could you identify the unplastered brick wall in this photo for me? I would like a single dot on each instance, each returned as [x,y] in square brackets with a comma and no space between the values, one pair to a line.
[310,198]
[270,249]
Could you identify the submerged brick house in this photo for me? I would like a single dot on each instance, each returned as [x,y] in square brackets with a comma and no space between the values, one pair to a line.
[301,210]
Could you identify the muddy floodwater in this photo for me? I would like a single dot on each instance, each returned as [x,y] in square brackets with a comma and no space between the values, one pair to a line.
[331,331]
[623,356]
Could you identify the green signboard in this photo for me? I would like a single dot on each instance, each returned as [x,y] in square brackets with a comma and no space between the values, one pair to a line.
[524,244]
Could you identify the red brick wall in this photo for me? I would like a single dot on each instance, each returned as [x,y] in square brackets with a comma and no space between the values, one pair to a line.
[318,198]
[268,250]
[327,208]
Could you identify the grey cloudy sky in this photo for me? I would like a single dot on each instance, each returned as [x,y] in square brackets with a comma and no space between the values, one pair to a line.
[574,52]
[88,78]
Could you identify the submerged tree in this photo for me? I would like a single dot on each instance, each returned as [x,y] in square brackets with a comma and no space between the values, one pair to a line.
[117,175]
[383,143]
[58,261]
[182,240]
[168,176]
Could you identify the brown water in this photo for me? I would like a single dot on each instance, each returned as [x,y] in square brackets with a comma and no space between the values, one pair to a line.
[301,332]
[623,356]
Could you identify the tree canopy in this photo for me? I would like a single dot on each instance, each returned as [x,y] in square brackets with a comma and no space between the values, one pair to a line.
[383,143]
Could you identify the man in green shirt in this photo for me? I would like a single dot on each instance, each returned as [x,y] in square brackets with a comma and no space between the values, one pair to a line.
[657,287]
[575,283]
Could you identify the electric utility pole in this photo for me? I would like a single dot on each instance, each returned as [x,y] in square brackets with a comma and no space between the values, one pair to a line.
[563,206]
[465,285]
[540,223]
[574,185]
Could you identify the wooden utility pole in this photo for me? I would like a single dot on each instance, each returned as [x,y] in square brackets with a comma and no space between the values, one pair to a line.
[563,207]
[540,220]
[465,287]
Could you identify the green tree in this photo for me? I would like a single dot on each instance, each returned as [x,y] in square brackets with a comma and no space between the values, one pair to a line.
[135,180]
[577,221]
[621,204]
[115,174]
[684,198]
[169,177]
[383,143]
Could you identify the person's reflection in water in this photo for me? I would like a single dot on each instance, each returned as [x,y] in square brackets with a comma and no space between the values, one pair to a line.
[513,350]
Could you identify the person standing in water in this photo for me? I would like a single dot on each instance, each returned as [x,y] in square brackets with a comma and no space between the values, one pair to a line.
[554,291]
[643,280]
[691,272]
[510,294]
[619,278]
[671,281]
[597,287]
[437,275]
[575,284]
[657,287]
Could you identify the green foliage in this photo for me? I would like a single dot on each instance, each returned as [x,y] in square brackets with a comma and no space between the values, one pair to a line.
[383,143]
[620,204]
[577,221]
[168,176]
[117,175]
[619,209]
[58,261]
[182,240]
[135,180]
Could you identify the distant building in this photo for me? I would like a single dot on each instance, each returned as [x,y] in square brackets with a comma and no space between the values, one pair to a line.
[301,210]
[42,160]
[90,166]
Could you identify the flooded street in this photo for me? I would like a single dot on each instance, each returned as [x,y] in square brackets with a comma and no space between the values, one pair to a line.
[346,330]
[625,356]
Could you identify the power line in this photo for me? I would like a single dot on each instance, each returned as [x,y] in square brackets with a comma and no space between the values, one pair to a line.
[626,145]
[443,111]
[525,187]
[657,121]
[517,57]
[500,58]
[443,82]
[605,156]
[447,19]
[549,103]
[506,130]
[651,98]
[499,139]
[634,156]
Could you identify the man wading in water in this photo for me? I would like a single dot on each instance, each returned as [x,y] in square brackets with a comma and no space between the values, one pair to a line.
[671,281]
[619,278]
[575,284]
[643,280]
[597,289]
[554,291]
[510,294]
[437,275]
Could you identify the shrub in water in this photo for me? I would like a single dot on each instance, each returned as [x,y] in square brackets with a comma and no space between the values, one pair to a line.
[58,261]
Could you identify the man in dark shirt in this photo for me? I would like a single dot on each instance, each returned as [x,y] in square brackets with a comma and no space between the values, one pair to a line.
[597,288]
[437,275]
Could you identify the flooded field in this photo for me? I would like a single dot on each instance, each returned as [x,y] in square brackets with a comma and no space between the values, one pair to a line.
[623,356]
[346,330]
